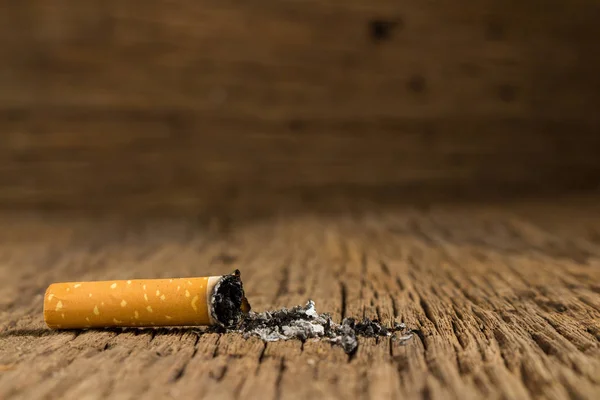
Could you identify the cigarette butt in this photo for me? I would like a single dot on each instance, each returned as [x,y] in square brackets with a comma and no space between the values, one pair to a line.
[213,300]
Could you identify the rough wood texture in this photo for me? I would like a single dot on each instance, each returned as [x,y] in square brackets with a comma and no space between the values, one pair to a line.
[196,104]
[505,301]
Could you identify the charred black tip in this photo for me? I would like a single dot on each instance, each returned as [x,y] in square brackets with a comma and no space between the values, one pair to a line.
[229,302]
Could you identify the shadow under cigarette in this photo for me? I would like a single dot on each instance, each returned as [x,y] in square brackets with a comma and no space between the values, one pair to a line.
[136,331]
[31,332]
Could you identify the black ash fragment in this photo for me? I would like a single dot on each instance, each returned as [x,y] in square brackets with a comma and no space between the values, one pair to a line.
[305,323]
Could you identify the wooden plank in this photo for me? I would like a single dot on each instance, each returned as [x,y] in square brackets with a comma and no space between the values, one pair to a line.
[207,104]
[503,299]
[78,160]
[317,59]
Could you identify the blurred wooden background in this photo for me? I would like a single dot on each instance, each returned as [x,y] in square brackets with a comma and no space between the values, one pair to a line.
[204,104]
[224,108]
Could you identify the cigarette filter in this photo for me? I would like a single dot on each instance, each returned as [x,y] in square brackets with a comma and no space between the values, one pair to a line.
[213,300]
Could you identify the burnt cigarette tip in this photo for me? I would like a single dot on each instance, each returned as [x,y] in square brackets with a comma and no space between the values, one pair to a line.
[245,307]
[229,305]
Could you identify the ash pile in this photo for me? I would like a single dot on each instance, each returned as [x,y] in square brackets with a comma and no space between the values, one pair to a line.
[303,322]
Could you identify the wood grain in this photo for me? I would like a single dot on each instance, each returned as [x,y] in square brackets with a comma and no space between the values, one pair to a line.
[198,105]
[504,300]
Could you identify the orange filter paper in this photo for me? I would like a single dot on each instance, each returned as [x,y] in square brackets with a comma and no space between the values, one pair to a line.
[131,303]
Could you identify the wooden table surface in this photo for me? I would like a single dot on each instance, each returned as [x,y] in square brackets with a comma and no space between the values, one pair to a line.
[504,300]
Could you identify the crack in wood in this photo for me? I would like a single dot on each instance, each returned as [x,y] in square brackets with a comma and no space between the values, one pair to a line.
[503,345]
[421,337]
[385,268]
[216,349]
[458,335]
[279,380]
[394,307]
[400,284]
[284,282]
[543,343]
[262,353]
[427,311]
[218,373]
[426,393]
[344,294]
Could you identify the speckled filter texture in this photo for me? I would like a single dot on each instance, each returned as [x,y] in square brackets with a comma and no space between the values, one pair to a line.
[130,303]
